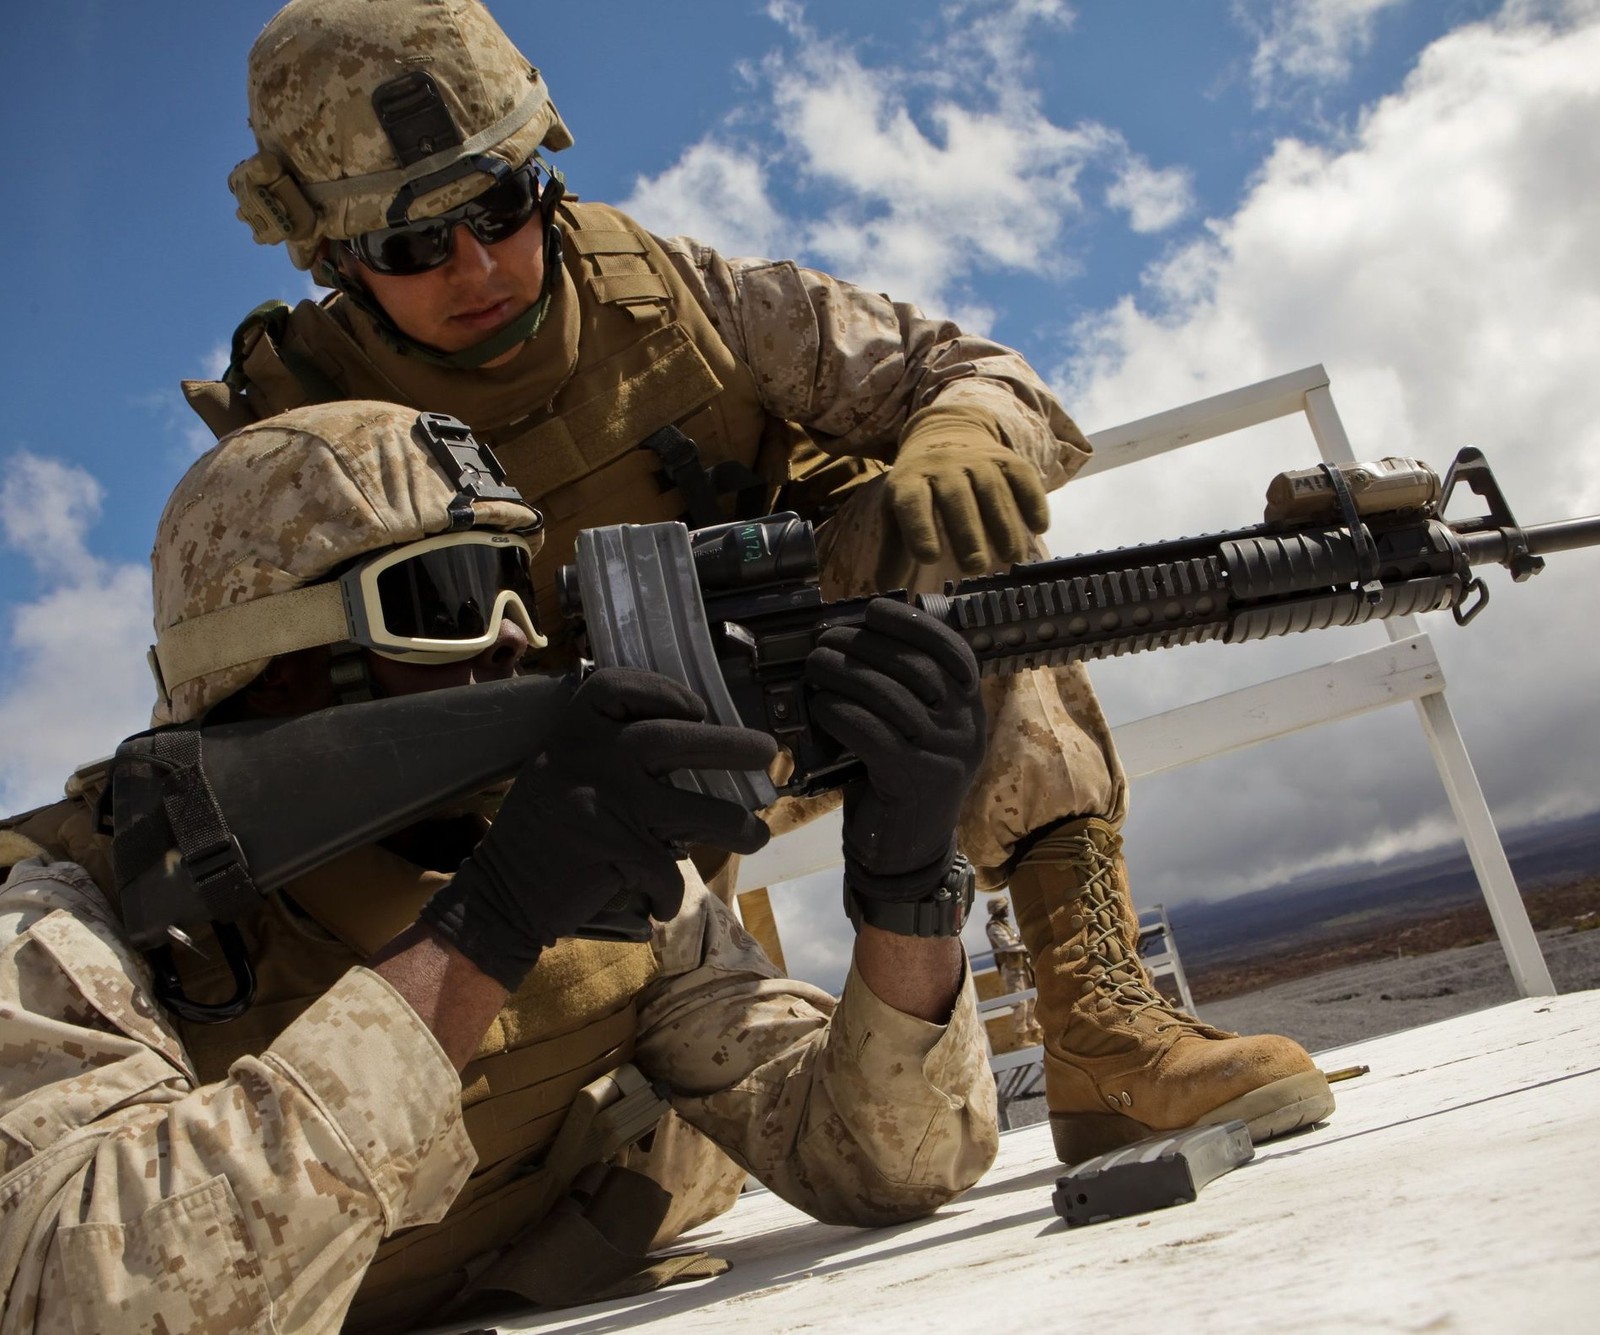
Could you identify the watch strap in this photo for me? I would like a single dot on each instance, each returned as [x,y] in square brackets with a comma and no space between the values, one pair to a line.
[943,913]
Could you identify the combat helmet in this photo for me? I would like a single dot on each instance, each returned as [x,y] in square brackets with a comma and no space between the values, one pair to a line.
[359,104]
[269,543]
[377,114]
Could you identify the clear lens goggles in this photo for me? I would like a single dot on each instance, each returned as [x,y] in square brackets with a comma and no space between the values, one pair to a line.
[441,600]
[415,247]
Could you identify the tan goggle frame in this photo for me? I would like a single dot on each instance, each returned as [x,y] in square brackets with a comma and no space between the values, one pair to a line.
[331,612]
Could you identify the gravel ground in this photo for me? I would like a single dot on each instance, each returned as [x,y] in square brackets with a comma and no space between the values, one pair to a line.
[1329,1010]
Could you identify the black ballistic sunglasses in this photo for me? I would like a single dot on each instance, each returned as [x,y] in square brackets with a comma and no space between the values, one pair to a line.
[499,212]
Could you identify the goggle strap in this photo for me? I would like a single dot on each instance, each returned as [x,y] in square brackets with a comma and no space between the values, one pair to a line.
[250,632]
[323,193]
[347,670]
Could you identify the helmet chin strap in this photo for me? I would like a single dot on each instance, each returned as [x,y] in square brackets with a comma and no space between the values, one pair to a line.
[524,327]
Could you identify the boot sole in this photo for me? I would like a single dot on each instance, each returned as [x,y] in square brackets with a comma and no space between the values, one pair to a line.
[1272,1110]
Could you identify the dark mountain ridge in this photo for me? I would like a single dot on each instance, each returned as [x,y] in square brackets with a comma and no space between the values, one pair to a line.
[1363,897]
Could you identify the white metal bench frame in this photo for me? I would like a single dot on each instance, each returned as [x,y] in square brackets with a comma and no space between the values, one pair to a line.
[1405,669]
[1017,1073]
[1162,960]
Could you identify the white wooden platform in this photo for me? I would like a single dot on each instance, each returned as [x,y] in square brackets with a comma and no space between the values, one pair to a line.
[1457,1188]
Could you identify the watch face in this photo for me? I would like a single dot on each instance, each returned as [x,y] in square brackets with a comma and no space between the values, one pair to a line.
[962,881]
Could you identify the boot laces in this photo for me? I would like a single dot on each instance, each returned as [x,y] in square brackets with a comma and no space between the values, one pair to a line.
[1110,946]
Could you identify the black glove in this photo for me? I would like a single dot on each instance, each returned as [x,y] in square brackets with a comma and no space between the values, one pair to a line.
[593,817]
[901,692]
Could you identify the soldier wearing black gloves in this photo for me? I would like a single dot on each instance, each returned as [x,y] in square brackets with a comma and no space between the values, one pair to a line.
[901,692]
[592,817]
[318,1156]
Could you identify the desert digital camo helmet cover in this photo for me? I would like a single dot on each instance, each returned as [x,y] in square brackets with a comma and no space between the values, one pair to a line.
[283,504]
[326,168]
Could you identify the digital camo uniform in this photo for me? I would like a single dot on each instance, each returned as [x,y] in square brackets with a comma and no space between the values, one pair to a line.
[265,1173]
[801,392]
[643,333]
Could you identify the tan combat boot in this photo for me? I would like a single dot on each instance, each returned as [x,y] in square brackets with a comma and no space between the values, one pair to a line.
[1120,1063]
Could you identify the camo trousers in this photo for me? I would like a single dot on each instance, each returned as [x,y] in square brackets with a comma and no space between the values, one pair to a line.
[1050,756]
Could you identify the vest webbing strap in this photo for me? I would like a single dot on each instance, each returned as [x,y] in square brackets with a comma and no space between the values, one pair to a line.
[589,241]
[680,460]
[624,289]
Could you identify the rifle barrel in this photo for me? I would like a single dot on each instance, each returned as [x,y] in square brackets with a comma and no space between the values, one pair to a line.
[1564,535]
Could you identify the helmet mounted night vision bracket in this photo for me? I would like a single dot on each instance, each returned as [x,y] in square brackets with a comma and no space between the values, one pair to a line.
[413,116]
[327,612]
[469,464]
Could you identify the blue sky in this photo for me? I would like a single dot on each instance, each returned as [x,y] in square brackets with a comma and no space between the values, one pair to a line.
[1153,200]
[123,121]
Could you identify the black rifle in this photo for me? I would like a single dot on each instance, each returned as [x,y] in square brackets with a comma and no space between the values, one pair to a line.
[732,611]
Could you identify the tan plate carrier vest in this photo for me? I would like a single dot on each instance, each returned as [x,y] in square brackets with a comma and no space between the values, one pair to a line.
[625,350]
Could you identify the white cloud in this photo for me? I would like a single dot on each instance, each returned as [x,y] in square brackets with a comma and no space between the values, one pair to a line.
[215,361]
[927,197]
[1442,267]
[713,190]
[1153,200]
[46,509]
[77,682]
[918,175]
[1307,42]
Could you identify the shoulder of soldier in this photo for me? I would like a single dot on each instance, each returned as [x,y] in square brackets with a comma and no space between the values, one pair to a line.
[684,251]
[581,216]
[591,213]
[67,830]
[269,354]
[583,213]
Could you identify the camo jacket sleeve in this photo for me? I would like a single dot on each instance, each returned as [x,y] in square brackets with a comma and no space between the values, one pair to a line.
[853,1112]
[852,366]
[132,1198]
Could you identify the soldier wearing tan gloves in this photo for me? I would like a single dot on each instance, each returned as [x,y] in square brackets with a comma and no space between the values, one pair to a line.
[400,158]
[318,1158]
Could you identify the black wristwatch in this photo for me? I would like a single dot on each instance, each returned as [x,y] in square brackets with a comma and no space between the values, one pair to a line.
[943,913]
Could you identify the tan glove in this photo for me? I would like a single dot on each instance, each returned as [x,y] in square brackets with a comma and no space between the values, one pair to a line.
[954,482]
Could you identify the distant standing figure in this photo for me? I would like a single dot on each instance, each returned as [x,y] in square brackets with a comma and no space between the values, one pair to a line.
[1016,973]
